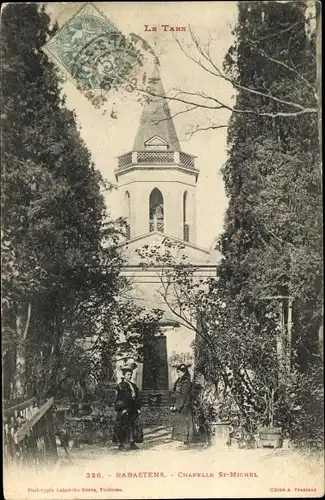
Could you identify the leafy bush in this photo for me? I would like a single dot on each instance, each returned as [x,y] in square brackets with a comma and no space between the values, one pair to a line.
[306,426]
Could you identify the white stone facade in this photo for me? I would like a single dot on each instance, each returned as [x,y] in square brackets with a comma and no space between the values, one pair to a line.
[157,188]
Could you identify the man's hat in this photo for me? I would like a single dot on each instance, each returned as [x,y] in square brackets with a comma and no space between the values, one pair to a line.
[183,366]
[128,367]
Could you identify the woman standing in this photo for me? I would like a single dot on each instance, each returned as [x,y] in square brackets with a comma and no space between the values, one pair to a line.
[127,406]
[183,424]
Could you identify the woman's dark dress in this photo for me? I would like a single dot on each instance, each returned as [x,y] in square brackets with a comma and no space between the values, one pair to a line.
[124,426]
[183,423]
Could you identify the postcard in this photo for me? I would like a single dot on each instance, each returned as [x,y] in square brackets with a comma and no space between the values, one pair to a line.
[162,317]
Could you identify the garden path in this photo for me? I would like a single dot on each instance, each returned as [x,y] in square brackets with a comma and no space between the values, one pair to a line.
[104,473]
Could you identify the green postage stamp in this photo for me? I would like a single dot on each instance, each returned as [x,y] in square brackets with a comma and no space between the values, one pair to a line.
[96,56]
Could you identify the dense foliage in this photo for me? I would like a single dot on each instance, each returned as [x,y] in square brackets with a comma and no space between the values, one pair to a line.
[273,231]
[234,350]
[257,370]
[272,241]
[61,265]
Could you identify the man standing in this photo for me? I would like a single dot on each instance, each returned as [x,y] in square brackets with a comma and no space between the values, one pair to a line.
[127,406]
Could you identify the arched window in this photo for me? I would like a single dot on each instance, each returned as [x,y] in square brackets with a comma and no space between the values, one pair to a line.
[156,211]
[186,227]
[127,211]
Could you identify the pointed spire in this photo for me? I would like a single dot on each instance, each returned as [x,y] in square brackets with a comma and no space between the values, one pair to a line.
[156,117]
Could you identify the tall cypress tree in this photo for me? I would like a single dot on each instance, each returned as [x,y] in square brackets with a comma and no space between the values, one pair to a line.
[272,240]
[53,212]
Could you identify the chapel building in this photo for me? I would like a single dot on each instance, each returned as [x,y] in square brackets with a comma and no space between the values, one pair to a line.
[157,183]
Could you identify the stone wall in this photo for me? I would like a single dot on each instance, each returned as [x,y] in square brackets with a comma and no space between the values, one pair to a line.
[94,422]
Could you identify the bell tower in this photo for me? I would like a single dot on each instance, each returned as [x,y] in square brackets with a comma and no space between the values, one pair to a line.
[157,181]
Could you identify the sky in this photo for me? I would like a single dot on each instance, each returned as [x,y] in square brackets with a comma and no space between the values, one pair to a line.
[108,138]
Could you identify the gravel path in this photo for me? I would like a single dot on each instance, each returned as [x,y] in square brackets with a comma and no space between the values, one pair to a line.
[162,468]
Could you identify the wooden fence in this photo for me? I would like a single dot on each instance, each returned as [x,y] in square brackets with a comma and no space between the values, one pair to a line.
[29,437]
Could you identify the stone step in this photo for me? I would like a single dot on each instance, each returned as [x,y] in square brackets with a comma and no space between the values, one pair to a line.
[150,430]
[156,390]
[157,437]
[164,392]
[163,404]
[155,432]
[161,394]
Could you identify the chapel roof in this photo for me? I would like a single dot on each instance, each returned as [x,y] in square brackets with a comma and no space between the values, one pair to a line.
[156,120]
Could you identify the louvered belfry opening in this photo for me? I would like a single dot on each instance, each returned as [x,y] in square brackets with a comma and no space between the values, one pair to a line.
[186,226]
[186,232]
[127,208]
[156,211]
[159,176]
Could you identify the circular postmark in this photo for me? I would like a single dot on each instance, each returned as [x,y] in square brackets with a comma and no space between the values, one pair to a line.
[99,58]
[95,53]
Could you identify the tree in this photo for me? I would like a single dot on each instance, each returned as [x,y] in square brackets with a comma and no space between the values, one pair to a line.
[271,245]
[272,238]
[234,349]
[236,352]
[274,71]
[274,136]
[60,264]
[87,362]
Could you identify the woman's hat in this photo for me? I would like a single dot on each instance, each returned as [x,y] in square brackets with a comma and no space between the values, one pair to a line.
[183,366]
[128,367]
